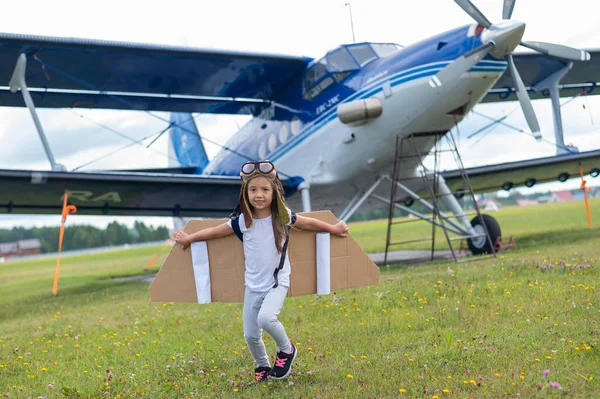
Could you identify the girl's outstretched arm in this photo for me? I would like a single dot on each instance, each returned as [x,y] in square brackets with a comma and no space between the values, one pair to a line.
[209,233]
[308,223]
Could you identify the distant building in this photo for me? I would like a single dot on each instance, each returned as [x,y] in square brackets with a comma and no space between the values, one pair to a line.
[489,205]
[527,202]
[560,196]
[20,248]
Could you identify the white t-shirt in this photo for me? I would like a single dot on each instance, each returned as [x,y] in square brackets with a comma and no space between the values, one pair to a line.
[261,256]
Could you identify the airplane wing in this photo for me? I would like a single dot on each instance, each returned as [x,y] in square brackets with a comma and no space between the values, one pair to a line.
[525,173]
[120,193]
[72,72]
[535,67]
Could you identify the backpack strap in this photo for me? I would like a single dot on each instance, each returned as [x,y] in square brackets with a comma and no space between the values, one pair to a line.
[282,260]
[235,225]
[284,249]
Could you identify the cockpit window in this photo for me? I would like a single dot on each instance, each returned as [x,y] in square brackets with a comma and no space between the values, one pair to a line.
[309,78]
[341,63]
[340,60]
[318,88]
[316,79]
[385,49]
[320,69]
[363,53]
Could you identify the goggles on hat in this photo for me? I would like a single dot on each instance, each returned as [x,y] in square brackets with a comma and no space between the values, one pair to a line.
[250,168]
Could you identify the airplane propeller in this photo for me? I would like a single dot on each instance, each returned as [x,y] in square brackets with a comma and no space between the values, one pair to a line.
[507,9]
[551,49]
[524,99]
[558,50]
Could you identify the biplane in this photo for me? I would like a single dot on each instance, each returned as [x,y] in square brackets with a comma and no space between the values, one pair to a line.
[329,124]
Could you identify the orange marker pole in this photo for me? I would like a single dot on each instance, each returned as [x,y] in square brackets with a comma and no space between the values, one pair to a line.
[583,188]
[167,244]
[66,210]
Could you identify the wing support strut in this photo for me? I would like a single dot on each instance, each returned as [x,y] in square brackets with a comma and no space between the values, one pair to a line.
[17,81]
[551,84]
[455,227]
[357,201]
[304,188]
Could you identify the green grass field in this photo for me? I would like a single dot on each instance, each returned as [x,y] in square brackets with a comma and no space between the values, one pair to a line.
[524,324]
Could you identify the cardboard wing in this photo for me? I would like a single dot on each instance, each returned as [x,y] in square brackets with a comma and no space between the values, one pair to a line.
[178,279]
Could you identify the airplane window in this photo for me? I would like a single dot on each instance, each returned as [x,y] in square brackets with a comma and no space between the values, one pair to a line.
[283,133]
[318,88]
[339,76]
[363,53]
[309,79]
[272,142]
[295,125]
[341,60]
[319,81]
[320,69]
[384,49]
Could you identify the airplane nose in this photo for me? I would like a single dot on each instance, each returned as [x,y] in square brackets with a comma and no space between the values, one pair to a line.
[505,36]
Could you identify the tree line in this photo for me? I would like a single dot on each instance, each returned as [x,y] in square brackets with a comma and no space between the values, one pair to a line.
[86,236]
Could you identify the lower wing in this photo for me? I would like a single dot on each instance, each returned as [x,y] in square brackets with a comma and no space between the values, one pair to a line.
[118,193]
[525,173]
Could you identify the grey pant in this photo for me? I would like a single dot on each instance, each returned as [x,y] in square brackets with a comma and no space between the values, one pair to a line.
[260,313]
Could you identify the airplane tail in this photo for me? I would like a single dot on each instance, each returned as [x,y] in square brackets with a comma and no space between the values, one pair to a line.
[185,143]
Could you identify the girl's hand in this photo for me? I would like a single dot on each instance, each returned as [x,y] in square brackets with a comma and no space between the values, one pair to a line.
[183,238]
[340,229]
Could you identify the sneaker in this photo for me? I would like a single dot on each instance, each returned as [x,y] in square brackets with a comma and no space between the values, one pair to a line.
[283,363]
[262,373]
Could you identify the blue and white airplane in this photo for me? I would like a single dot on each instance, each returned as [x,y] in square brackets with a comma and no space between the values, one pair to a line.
[329,124]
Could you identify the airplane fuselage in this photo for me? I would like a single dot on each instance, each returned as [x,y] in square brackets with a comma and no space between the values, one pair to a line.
[304,136]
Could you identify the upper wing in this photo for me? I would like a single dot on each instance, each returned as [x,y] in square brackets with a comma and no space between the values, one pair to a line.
[523,173]
[535,67]
[117,193]
[71,72]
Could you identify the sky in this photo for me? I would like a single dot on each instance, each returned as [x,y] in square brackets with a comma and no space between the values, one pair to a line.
[95,139]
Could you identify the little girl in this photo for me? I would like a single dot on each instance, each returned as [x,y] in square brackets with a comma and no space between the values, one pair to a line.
[264,222]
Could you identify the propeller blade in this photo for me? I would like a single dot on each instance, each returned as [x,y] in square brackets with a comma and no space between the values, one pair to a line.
[524,99]
[477,15]
[507,9]
[558,50]
[462,64]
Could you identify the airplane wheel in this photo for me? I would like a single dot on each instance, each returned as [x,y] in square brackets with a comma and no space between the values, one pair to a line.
[480,245]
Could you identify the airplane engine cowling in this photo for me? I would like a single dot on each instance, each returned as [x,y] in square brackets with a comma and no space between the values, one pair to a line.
[360,110]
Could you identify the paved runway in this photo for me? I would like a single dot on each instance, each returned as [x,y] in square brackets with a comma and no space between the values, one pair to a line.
[410,257]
